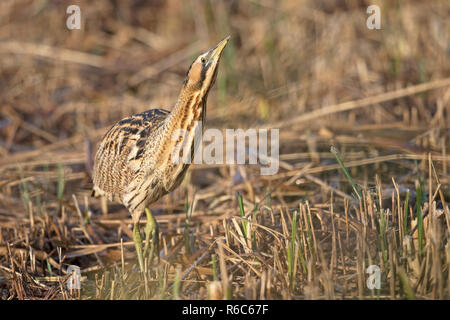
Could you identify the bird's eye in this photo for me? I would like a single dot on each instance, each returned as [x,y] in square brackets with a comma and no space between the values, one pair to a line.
[203,60]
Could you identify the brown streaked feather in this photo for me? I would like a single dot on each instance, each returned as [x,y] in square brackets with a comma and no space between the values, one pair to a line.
[121,150]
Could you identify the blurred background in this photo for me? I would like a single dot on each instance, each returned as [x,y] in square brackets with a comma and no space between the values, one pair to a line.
[285,58]
[61,89]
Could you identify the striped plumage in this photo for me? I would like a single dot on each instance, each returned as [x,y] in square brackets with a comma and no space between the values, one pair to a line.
[133,164]
[119,163]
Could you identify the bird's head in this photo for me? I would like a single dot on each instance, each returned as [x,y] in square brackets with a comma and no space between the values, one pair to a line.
[203,71]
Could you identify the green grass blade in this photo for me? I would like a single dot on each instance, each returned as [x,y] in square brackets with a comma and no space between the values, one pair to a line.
[347,174]
[60,188]
[241,209]
[291,251]
[405,218]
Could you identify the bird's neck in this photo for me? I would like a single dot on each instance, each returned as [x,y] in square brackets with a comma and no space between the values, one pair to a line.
[190,107]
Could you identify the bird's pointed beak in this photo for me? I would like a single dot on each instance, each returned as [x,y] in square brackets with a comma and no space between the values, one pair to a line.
[217,50]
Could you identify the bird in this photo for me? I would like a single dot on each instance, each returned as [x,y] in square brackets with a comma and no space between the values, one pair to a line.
[135,163]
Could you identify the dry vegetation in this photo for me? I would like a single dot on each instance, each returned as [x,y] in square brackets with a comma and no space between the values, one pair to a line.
[310,68]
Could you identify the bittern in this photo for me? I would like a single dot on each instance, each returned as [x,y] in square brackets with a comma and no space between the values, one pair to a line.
[134,164]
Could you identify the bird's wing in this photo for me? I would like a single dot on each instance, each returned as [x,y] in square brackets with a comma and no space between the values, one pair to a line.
[120,153]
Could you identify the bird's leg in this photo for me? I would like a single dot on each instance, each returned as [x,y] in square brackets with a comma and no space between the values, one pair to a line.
[138,244]
[151,229]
